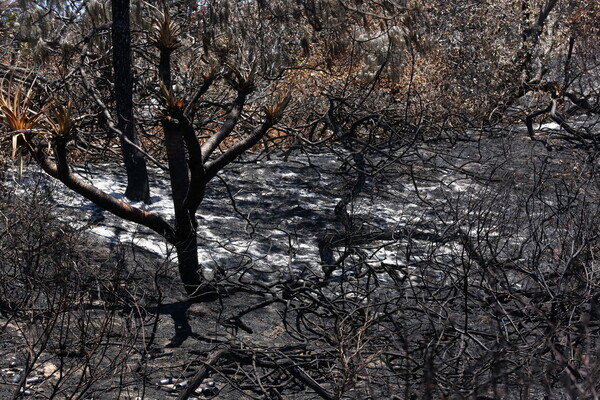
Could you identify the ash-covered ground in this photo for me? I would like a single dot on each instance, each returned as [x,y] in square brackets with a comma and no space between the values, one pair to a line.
[456,268]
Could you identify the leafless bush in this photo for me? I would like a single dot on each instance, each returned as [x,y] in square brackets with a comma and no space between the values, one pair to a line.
[71,308]
[493,279]
[485,288]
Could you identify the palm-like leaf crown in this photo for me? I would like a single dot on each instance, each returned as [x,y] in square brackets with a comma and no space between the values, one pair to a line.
[16,114]
[61,122]
[173,106]
[165,32]
[275,112]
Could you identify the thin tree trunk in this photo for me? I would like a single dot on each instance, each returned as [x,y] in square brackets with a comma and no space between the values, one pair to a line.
[185,220]
[135,164]
[189,269]
[164,68]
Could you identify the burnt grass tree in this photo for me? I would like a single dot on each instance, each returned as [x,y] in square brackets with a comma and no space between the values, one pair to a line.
[51,132]
[196,147]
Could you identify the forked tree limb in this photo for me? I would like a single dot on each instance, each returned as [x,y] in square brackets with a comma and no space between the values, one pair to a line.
[208,81]
[213,167]
[232,118]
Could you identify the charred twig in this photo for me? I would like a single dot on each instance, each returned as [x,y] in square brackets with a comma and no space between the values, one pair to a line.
[202,373]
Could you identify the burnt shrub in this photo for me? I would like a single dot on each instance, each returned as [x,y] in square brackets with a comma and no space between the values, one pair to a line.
[70,315]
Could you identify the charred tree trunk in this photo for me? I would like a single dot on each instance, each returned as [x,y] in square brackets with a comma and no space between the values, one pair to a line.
[185,219]
[189,167]
[135,164]
[174,128]
[189,269]
[185,232]
[164,68]
[532,30]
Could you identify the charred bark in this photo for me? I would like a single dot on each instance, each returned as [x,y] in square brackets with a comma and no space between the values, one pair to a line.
[135,164]
[185,219]
[164,68]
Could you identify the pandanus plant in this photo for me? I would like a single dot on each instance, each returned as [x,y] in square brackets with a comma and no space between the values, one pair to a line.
[53,120]
[61,122]
[22,122]
[164,35]
[192,164]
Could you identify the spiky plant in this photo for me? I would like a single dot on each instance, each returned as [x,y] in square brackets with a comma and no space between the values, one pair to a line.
[275,112]
[61,122]
[23,123]
[173,106]
[165,32]
[240,80]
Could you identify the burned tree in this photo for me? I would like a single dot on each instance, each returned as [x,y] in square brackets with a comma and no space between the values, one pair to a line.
[232,62]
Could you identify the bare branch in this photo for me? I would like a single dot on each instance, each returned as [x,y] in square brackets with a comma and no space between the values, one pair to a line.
[102,199]
[213,167]
[232,118]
